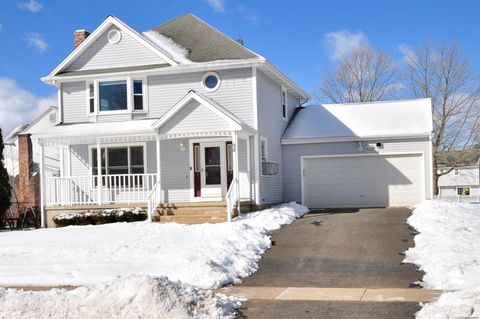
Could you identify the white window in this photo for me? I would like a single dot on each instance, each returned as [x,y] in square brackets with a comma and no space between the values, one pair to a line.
[122,95]
[118,160]
[284,104]
[463,191]
[264,149]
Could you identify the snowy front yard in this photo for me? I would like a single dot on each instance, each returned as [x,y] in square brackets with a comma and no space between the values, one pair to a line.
[204,256]
[448,251]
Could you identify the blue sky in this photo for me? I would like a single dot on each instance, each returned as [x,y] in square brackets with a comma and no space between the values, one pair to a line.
[302,38]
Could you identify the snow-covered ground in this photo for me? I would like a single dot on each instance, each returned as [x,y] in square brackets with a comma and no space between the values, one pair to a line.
[448,251]
[205,255]
[127,297]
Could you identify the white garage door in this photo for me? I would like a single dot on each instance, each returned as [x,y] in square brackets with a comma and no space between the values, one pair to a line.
[363,181]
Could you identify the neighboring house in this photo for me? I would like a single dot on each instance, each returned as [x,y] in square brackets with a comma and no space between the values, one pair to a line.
[461,181]
[42,123]
[183,116]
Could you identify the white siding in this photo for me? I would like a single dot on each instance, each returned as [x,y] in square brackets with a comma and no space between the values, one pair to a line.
[272,126]
[450,193]
[175,171]
[74,102]
[292,154]
[80,165]
[466,176]
[102,54]
[194,117]
[234,93]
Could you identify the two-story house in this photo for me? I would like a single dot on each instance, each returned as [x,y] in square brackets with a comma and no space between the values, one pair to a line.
[183,117]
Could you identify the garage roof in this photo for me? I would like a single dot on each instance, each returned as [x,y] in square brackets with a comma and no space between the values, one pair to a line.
[332,122]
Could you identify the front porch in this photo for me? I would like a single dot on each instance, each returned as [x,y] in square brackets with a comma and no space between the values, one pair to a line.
[158,164]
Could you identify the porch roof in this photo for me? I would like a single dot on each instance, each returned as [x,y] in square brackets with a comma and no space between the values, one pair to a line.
[84,132]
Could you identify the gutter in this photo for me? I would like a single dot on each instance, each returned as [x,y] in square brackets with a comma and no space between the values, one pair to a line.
[334,139]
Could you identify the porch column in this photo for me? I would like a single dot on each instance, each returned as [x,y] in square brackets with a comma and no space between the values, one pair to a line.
[256,156]
[159,167]
[69,161]
[62,168]
[249,159]
[99,172]
[42,185]
[236,167]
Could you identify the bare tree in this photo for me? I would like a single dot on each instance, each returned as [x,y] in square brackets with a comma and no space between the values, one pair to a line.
[444,74]
[363,75]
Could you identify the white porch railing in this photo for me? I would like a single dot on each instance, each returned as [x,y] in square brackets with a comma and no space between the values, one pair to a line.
[114,189]
[154,199]
[232,198]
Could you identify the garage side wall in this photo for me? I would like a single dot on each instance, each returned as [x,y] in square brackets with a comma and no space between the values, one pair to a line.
[292,159]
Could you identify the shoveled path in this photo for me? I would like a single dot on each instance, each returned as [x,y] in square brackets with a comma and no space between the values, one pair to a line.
[349,248]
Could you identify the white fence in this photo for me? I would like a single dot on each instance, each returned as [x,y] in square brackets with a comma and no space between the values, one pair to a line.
[90,190]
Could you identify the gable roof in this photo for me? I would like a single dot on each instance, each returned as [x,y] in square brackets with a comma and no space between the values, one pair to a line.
[234,122]
[456,158]
[109,21]
[335,122]
[24,128]
[203,42]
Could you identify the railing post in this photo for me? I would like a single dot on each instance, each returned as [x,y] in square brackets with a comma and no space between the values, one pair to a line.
[159,168]
[236,170]
[42,185]
[99,173]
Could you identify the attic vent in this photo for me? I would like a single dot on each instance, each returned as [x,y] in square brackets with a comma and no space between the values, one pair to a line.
[53,117]
[114,36]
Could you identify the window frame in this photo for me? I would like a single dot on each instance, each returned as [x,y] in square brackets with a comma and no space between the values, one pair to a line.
[130,96]
[263,140]
[284,103]
[463,188]
[106,146]
[204,77]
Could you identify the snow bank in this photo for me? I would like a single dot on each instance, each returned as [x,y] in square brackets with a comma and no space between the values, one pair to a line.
[176,51]
[451,305]
[127,297]
[448,246]
[448,251]
[206,255]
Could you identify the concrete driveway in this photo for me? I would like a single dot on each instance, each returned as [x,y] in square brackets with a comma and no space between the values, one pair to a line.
[338,248]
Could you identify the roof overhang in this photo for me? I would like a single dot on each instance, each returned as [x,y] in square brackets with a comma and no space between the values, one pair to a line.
[336,139]
[260,63]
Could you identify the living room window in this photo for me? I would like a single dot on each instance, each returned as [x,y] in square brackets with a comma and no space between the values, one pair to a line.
[137,95]
[118,160]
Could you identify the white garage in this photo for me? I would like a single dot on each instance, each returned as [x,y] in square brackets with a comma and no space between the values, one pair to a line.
[363,181]
[359,155]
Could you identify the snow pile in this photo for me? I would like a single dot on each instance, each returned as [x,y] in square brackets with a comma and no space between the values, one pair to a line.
[448,246]
[448,251]
[453,305]
[173,49]
[125,297]
[205,255]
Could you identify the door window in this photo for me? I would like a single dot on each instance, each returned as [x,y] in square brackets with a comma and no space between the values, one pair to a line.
[212,166]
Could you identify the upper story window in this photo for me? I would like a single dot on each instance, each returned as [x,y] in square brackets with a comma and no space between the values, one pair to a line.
[211,81]
[137,95]
[284,104]
[122,95]
[113,95]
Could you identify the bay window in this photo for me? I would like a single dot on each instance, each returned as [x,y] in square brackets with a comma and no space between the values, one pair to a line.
[122,95]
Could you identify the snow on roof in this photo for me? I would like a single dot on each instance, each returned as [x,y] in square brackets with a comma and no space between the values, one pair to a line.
[377,119]
[176,51]
[105,129]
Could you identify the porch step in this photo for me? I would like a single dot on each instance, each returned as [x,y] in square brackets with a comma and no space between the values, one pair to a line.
[192,213]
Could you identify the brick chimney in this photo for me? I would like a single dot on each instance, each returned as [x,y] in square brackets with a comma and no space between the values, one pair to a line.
[79,36]
[28,182]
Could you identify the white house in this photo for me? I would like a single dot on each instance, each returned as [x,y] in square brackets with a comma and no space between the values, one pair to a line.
[462,181]
[182,116]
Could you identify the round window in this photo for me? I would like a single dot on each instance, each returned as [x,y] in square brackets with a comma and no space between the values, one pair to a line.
[211,81]
[114,36]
